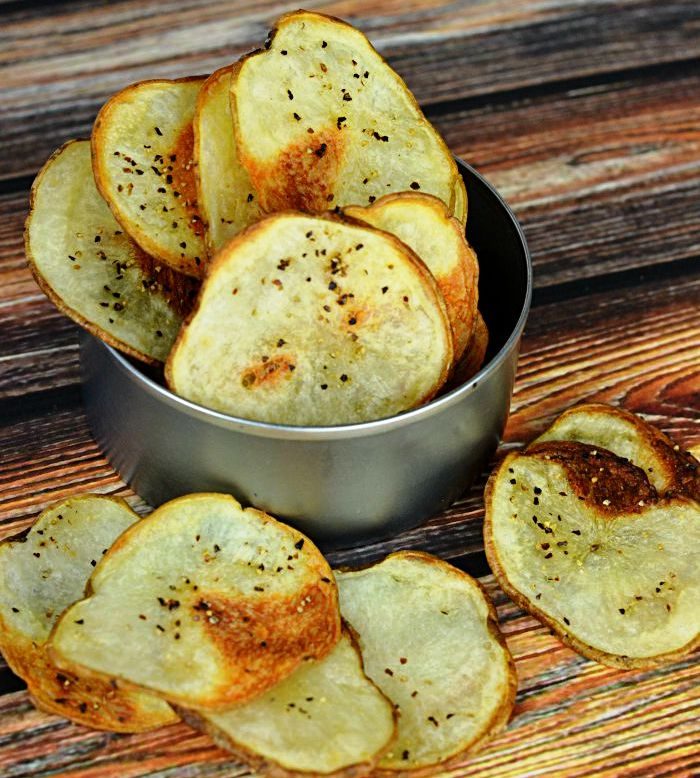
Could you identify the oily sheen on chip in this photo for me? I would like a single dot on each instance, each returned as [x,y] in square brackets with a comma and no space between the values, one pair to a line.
[204,603]
[310,320]
[41,574]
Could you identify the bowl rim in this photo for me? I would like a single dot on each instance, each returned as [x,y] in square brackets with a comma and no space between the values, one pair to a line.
[357,429]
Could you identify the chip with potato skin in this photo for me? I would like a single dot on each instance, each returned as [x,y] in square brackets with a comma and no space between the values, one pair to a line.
[326,323]
[347,128]
[225,195]
[43,571]
[579,537]
[327,718]
[424,224]
[92,271]
[430,640]
[670,469]
[460,201]
[204,603]
[143,161]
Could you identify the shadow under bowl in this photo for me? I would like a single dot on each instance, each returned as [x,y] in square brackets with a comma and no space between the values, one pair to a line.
[343,484]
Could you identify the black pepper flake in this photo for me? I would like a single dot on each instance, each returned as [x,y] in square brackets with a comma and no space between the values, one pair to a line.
[324,387]
[323,44]
[80,621]
[283,52]
[289,94]
[15,610]
[118,307]
[352,320]
[83,707]
[371,198]
[575,531]
[250,198]
[159,628]
[388,671]
[433,721]
[347,97]
[217,548]
[385,289]
[622,611]
[155,170]
[566,621]
[343,378]
[296,116]
[537,490]
[359,246]
[259,588]
[97,238]
[321,150]
[415,185]
[339,122]
[157,129]
[332,285]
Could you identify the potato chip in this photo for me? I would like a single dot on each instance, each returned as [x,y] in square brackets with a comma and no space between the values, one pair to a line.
[92,271]
[578,537]
[430,641]
[424,224]
[473,358]
[143,160]
[460,201]
[204,603]
[327,718]
[668,468]
[322,121]
[309,320]
[224,192]
[44,571]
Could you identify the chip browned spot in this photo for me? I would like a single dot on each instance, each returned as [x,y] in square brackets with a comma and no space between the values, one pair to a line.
[143,160]
[670,469]
[92,271]
[578,536]
[44,571]
[204,603]
[322,83]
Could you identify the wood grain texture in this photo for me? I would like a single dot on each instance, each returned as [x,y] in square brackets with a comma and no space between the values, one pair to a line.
[58,65]
[586,115]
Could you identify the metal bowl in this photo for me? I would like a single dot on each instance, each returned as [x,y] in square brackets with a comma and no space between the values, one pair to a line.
[337,484]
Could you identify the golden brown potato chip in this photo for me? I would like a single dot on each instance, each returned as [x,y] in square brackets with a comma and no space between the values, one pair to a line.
[92,271]
[430,641]
[322,121]
[327,718]
[424,224]
[668,468]
[309,320]
[473,359]
[143,160]
[204,603]
[224,192]
[578,537]
[44,571]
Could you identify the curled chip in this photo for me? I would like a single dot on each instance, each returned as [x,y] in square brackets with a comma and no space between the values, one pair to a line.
[424,224]
[460,201]
[309,320]
[668,468]
[327,718]
[143,160]
[347,130]
[224,192]
[92,271]
[204,603]
[44,571]
[578,536]
[430,641]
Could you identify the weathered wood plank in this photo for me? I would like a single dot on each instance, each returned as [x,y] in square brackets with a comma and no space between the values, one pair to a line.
[572,717]
[60,65]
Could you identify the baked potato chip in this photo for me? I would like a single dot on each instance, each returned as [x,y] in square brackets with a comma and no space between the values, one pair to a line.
[460,201]
[325,323]
[424,224]
[204,603]
[430,641]
[91,270]
[143,159]
[44,571]
[473,358]
[225,195]
[578,537]
[321,121]
[668,468]
[327,718]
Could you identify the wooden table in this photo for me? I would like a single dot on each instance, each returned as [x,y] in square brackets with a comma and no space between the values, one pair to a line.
[586,115]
